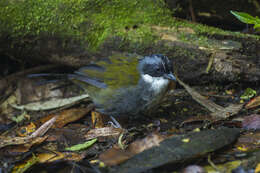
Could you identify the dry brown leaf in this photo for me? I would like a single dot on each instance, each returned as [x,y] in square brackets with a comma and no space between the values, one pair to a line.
[251,122]
[25,147]
[105,131]
[257,169]
[55,156]
[253,103]
[227,112]
[28,91]
[211,106]
[97,119]
[248,141]
[218,111]
[44,128]
[149,141]
[116,156]
[200,118]
[5,141]
[71,115]
[52,103]
[71,134]
[27,130]
[47,158]
[67,116]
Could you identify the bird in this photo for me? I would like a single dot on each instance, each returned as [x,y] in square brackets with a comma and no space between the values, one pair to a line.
[125,84]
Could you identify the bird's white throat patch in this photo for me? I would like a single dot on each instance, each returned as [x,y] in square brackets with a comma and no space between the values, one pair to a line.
[157,83]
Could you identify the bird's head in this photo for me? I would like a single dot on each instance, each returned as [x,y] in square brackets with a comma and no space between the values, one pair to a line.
[156,66]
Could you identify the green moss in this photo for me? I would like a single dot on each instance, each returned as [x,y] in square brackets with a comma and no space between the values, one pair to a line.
[206,36]
[91,21]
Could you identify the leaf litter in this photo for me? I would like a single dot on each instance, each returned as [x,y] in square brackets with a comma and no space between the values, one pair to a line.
[97,132]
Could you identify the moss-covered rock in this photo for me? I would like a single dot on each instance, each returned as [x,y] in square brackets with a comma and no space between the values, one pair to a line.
[91,21]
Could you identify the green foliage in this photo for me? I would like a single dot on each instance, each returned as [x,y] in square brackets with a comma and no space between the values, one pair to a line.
[83,146]
[89,20]
[249,93]
[247,18]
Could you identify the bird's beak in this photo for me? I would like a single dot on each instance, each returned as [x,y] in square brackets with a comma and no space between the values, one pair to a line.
[170,76]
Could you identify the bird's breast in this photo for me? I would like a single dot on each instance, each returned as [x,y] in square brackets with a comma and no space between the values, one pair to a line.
[156,85]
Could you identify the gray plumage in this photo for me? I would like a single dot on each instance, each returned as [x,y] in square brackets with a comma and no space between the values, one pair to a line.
[143,97]
[124,85]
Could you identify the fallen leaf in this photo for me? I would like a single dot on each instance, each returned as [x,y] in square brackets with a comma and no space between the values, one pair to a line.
[83,146]
[28,91]
[251,122]
[257,169]
[211,106]
[116,156]
[248,141]
[70,135]
[253,103]
[218,111]
[105,131]
[18,149]
[5,141]
[5,106]
[50,157]
[249,93]
[97,119]
[200,118]
[53,103]
[27,130]
[66,116]
[228,111]
[56,156]
[149,141]
[43,128]
[173,150]
[71,115]
[22,167]
[226,167]
[21,117]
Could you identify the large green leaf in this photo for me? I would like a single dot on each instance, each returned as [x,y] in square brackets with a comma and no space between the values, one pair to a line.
[245,17]
[257,25]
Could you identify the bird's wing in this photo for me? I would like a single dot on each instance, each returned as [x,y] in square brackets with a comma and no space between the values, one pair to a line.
[119,70]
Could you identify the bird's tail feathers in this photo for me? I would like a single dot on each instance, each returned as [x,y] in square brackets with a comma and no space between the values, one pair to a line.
[56,77]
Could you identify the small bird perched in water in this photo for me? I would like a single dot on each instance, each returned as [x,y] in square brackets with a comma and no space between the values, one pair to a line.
[126,85]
